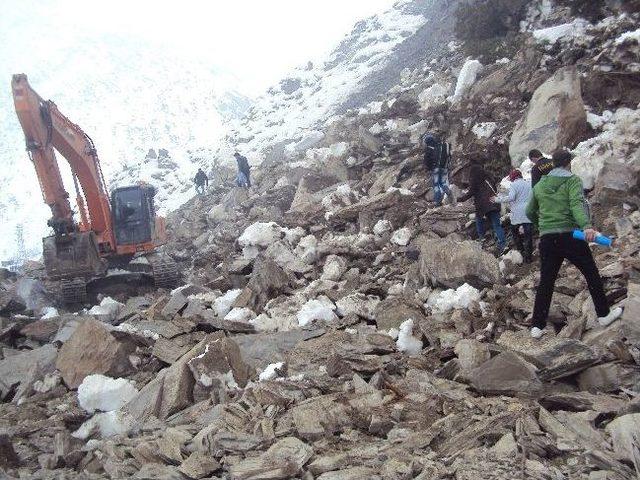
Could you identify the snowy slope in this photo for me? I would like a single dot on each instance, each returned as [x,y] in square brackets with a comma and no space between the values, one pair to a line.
[367,63]
[127,97]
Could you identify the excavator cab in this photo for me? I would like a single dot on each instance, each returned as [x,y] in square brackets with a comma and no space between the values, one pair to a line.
[133,215]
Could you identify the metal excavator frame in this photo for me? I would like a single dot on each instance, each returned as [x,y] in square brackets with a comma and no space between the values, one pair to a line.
[118,231]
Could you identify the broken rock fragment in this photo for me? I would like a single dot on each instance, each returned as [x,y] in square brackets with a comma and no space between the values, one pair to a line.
[282,460]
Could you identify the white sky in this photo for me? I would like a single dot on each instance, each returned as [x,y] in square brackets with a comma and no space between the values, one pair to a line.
[258,40]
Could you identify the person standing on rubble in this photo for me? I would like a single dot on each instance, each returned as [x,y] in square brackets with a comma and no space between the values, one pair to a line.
[437,160]
[557,208]
[244,171]
[518,199]
[541,166]
[481,188]
[201,179]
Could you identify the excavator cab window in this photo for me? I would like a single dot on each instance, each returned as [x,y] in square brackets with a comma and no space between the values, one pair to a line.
[133,215]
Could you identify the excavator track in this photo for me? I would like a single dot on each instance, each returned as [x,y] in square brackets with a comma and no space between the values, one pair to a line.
[73,291]
[165,271]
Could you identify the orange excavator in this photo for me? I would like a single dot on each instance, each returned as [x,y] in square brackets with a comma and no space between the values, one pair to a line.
[118,232]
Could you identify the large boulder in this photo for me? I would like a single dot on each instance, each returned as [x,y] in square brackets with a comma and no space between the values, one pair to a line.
[393,311]
[446,263]
[268,280]
[616,182]
[92,349]
[16,369]
[555,117]
[505,374]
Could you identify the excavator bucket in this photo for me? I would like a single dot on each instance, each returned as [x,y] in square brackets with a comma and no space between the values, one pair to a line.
[74,255]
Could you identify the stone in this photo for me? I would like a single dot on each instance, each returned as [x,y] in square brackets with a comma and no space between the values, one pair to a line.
[282,460]
[631,314]
[11,302]
[156,471]
[353,473]
[221,361]
[609,377]
[16,369]
[615,182]
[92,349]
[471,353]
[625,436]
[334,267]
[583,401]
[268,280]
[8,456]
[359,304]
[555,117]
[41,330]
[505,374]
[393,311]
[328,463]
[506,446]
[447,263]
[199,465]
[556,357]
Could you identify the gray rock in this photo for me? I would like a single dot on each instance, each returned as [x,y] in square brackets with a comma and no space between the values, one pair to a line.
[16,369]
[471,353]
[392,311]
[625,436]
[505,374]
[282,460]
[609,377]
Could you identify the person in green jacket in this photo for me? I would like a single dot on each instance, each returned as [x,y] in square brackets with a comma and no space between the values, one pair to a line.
[557,208]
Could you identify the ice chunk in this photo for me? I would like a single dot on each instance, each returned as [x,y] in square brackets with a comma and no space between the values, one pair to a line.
[271,372]
[98,392]
[458,299]
[240,315]
[401,237]
[466,78]
[222,305]
[49,312]
[318,309]
[406,342]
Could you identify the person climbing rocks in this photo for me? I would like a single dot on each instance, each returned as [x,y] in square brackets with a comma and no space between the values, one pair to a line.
[481,188]
[437,159]
[521,227]
[201,179]
[541,166]
[557,208]
[243,178]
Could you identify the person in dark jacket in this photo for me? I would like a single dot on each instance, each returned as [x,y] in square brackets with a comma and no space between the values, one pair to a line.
[437,157]
[244,171]
[557,209]
[541,166]
[481,189]
[201,179]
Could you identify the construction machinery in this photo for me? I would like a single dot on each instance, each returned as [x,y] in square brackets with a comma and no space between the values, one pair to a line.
[121,231]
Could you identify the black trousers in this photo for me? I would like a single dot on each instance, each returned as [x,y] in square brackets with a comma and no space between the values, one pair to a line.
[554,249]
[523,241]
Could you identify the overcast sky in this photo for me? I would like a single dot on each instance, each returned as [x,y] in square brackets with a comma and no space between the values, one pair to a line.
[258,40]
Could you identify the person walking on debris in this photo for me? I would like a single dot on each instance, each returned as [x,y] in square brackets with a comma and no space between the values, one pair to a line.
[518,199]
[557,208]
[481,188]
[201,179]
[437,159]
[244,171]
[541,166]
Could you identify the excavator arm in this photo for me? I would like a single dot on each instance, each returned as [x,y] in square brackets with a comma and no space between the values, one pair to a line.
[45,128]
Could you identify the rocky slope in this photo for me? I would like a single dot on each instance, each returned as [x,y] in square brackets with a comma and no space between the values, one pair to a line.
[335,325]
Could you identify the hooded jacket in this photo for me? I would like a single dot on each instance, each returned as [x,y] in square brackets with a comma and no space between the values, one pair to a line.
[557,204]
[518,198]
[481,188]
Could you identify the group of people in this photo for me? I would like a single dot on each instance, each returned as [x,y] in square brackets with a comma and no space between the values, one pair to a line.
[553,201]
[243,176]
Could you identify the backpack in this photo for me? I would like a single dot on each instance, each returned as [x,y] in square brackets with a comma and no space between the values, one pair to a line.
[437,154]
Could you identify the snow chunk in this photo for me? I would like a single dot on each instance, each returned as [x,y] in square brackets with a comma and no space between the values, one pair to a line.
[98,392]
[260,234]
[401,237]
[49,312]
[565,31]
[319,309]
[222,305]
[271,372]
[484,130]
[628,37]
[435,95]
[451,299]
[107,425]
[466,78]
[406,342]
[240,315]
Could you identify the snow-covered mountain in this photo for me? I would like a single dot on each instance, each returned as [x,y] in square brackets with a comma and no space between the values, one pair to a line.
[367,63]
[128,96]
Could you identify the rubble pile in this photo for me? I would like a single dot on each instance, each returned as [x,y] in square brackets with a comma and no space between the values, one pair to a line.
[334,325]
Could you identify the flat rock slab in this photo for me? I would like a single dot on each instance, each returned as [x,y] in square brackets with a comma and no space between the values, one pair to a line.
[625,434]
[556,357]
[505,374]
[283,460]
[609,377]
[15,368]
[355,473]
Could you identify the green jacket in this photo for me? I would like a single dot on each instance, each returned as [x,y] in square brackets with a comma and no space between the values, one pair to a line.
[557,204]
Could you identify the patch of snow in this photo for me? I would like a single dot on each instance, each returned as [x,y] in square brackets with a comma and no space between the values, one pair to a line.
[98,392]
[271,372]
[401,237]
[240,315]
[402,191]
[484,130]
[406,342]
[565,31]
[317,309]
[106,425]
[393,333]
[49,313]
[503,61]
[222,305]
[260,234]
[128,328]
[432,96]
[633,36]
[451,299]
[466,79]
